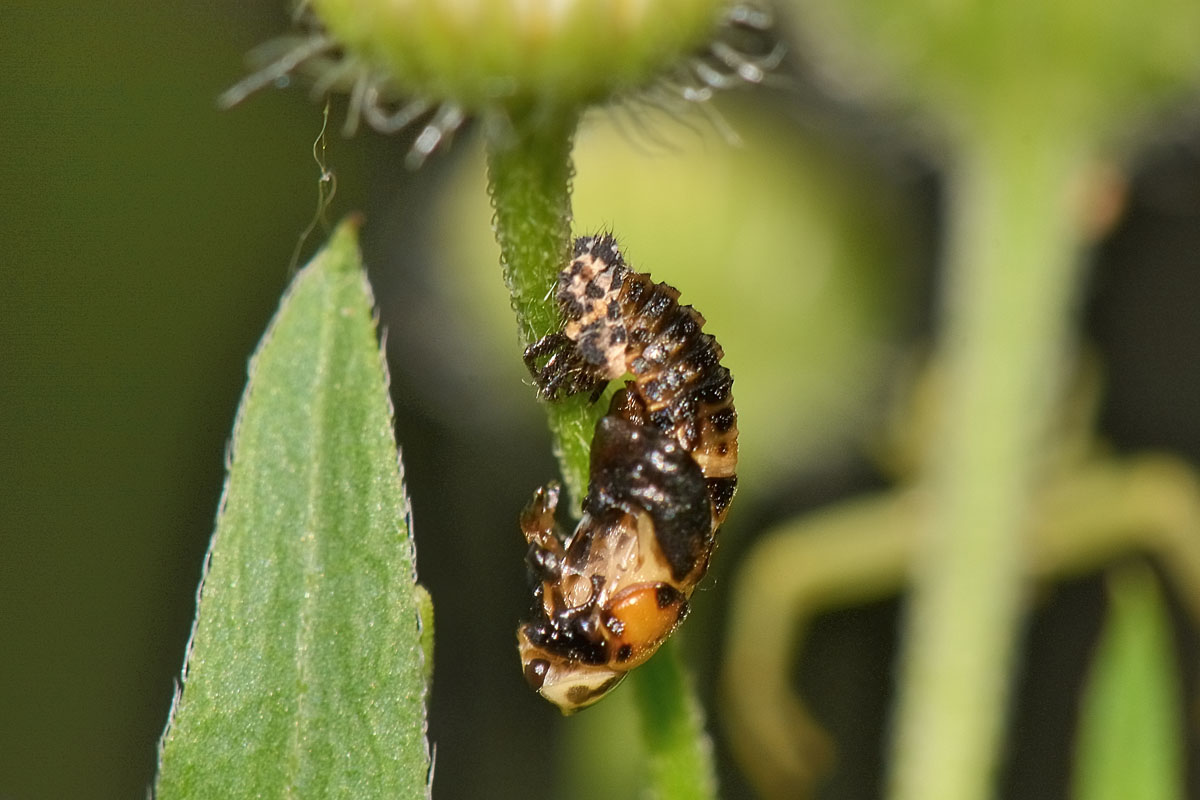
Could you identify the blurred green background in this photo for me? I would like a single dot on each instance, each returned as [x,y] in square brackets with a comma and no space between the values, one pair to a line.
[146,241]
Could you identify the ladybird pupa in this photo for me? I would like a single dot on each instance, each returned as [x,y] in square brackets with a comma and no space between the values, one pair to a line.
[662,476]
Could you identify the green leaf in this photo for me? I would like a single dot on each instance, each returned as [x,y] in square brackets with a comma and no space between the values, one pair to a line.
[305,674]
[1130,743]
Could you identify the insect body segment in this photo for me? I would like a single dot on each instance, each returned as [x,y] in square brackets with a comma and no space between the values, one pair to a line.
[662,475]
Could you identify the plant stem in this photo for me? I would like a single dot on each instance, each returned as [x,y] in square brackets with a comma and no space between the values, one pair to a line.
[529,179]
[681,762]
[1008,309]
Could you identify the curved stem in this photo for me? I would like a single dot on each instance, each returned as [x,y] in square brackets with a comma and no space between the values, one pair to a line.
[1008,311]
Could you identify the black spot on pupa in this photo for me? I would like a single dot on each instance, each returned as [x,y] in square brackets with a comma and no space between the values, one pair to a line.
[535,673]
[667,596]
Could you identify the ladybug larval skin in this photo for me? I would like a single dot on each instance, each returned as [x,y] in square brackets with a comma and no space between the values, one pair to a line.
[662,475]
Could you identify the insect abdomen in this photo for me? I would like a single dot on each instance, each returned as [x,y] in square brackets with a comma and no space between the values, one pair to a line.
[680,382]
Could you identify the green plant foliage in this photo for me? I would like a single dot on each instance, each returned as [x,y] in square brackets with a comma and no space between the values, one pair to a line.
[1076,63]
[306,676]
[1130,744]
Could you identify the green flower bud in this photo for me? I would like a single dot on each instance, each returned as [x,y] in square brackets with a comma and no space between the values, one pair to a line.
[484,54]
[432,62]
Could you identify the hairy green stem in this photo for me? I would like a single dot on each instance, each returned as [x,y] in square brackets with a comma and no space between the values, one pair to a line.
[1008,310]
[529,179]
[681,761]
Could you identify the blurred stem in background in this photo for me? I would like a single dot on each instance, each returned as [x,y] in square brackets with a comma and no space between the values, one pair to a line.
[1026,96]
[1008,309]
